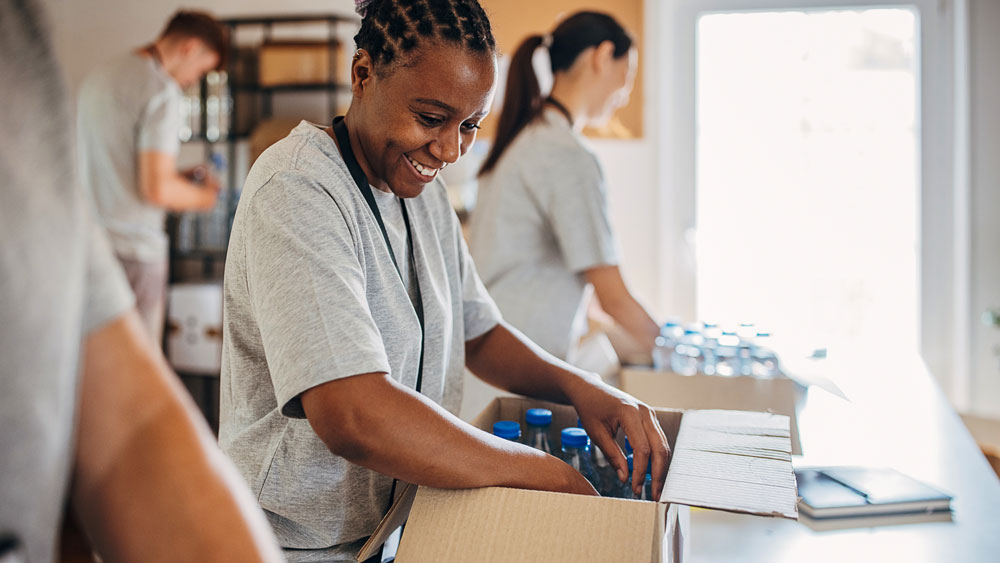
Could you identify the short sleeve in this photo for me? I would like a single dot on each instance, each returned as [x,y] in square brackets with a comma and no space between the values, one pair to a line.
[160,123]
[479,312]
[575,201]
[107,294]
[307,290]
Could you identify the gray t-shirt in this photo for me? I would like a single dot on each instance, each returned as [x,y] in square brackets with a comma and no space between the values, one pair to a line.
[58,281]
[311,296]
[540,221]
[127,106]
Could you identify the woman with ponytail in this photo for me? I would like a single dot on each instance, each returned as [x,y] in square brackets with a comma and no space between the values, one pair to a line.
[352,308]
[540,233]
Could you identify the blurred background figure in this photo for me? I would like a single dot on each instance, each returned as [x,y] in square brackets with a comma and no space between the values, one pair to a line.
[128,129]
[540,234]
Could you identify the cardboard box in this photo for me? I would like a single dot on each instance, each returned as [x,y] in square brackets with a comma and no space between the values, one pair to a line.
[296,62]
[728,460]
[668,389]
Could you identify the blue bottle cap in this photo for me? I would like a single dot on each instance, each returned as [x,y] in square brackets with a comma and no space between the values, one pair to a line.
[507,429]
[538,417]
[575,438]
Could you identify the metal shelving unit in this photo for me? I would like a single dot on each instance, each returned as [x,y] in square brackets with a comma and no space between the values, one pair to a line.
[251,103]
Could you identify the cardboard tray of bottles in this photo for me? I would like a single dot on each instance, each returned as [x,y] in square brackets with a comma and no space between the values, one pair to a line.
[779,395]
[727,460]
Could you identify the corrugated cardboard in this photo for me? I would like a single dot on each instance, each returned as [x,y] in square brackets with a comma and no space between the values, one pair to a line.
[728,460]
[296,62]
[667,389]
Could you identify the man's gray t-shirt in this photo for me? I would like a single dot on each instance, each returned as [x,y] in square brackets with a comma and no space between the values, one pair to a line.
[541,220]
[58,281]
[127,106]
[311,296]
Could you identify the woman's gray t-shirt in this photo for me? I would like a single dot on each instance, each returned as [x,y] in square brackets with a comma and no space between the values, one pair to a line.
[541,220]
[311,296]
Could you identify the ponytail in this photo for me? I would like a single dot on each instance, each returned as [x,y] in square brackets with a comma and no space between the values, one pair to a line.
[522,100]
[523,97]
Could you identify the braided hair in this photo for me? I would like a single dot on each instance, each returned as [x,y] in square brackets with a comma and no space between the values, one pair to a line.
[391,29]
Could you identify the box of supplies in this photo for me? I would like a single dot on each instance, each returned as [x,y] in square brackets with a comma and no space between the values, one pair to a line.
[777,394]
[726,460]
[194,328]
[285,63]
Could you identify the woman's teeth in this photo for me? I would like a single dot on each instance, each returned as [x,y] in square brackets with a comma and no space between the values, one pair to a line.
[426,171]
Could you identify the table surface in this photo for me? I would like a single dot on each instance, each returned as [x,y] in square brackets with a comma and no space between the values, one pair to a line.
[896,417]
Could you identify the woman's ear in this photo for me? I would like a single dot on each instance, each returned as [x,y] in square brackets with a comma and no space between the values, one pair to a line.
[603,55]
[362,72]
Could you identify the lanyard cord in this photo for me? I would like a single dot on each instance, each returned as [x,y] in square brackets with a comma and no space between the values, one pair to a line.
[562,109]
[344,140]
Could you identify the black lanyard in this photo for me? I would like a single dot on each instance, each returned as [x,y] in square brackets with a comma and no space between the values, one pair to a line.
[562,109]
[344,140]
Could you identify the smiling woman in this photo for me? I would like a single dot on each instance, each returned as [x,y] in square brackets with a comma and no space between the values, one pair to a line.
[352,307]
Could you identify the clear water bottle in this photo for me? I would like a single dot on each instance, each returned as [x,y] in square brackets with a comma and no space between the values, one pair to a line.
[709,358]
[538,422]
[765,360]
[212,226]
[647,484]
[725,353]
[663,346]
[507,429]
[687,356]
[576,452]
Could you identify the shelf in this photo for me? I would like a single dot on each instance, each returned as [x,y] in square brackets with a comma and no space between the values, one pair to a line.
[277,88]
[290,18]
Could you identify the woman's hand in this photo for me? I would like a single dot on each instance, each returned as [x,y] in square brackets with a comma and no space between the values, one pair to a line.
[603,410]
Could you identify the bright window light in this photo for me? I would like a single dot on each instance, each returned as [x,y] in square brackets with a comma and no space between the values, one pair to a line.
[808,176]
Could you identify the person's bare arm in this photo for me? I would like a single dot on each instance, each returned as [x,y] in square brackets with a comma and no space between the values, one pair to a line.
[163,186]
[507,359]
[373,421]
[149,482]
[617,301]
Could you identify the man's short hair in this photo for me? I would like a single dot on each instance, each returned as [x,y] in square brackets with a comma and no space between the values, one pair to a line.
[202,26]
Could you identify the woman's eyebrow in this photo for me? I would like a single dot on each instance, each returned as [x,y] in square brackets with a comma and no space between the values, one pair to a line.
[437,103]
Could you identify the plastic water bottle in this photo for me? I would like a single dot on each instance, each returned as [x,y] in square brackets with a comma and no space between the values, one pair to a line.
[765,360]
[709,357]
[537,434]
[647,484]
[507,429]
[576,452]
[663,346]
[212,226]
[687,357]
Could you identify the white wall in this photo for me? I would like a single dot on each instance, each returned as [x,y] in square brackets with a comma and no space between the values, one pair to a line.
[984,143]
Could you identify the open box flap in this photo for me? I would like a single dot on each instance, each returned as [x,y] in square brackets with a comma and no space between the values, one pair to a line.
[745,393]
[393,519]
[733,460]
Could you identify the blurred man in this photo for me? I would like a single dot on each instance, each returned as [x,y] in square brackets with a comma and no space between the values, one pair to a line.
[145,478]
[128,131]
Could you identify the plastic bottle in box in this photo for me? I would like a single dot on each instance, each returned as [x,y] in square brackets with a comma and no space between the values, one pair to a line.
[765,360]
[663,346]
[647,485]
[507,429]
[538,422]
[576,452]
[687,354]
